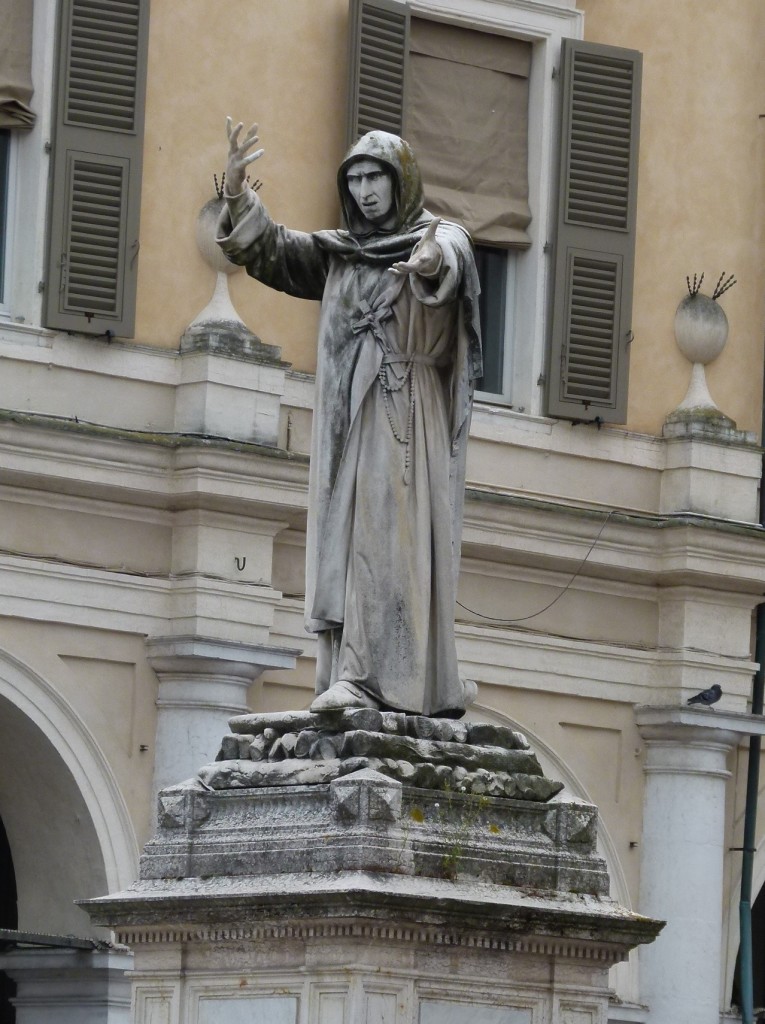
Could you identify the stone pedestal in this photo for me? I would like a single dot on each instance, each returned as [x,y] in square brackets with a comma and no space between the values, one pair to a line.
[681,875]
[303,882]
[231,385]
[69,986]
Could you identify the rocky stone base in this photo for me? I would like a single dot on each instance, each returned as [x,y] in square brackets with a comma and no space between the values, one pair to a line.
[302,748]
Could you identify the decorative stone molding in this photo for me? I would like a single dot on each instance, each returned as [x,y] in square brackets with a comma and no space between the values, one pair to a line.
[413,935]
[69,986]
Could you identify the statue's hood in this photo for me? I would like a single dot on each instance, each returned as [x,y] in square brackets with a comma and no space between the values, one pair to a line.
[396,155]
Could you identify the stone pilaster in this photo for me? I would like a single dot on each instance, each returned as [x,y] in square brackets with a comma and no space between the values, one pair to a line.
[683,845]
[202,682]
[70,986]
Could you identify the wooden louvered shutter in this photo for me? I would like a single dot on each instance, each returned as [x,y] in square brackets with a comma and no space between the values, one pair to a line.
[95,191]
[595,240]
[379,45]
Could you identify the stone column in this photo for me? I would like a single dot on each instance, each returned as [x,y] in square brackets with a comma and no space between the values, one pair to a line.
[202,683]
[683,846]
[70,986]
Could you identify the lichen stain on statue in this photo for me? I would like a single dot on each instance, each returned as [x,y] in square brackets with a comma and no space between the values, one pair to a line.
[398,354]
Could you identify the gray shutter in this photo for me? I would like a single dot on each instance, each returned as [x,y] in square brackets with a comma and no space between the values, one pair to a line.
[96,178]
[379,45]
[595,237]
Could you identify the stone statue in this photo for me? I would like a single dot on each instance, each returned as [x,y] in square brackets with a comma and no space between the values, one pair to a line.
[399,351]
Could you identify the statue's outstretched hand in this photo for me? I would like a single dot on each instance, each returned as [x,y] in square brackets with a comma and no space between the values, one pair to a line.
[238,156]
[426,255]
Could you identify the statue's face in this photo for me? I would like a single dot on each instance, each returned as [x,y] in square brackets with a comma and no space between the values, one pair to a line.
[371,186]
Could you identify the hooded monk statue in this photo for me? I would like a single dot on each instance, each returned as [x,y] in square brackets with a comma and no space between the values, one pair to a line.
[399,351]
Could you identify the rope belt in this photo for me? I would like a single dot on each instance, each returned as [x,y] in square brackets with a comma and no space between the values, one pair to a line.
[402,357]
[372,321]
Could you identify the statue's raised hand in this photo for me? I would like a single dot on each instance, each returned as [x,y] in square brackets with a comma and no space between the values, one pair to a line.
[239,156]
[426,255]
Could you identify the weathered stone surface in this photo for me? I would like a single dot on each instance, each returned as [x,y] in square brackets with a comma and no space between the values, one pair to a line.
[258,749]
[326,746]
[257,861]
[304,742]
[297,815]
[229,748]
[482,734]
[372,744]
[368,719]
[251,774]
[278,771]
[430,753]
[280,721]
[393,722]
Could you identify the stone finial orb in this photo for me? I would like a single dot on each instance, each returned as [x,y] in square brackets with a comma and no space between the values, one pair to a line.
[218,327]
[701,331]
[701,328]
[205,235]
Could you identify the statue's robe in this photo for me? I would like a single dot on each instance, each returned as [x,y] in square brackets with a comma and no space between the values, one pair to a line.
[397,358]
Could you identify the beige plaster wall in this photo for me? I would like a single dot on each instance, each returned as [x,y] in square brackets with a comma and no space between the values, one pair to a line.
[105,678]
[283,65]
[701,201]
[701,170]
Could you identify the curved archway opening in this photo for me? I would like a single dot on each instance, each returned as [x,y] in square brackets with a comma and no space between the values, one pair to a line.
[758,958]
[51,837]
[9,918]
[51,756]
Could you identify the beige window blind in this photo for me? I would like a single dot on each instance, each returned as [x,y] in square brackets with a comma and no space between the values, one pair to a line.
[467,121]
[16,64]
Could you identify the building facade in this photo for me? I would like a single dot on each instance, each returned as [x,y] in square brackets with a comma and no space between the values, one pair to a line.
[153,469]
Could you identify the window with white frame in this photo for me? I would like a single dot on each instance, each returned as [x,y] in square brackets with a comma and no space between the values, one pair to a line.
[16,118]
[5,206]
[554,325]
[70,208]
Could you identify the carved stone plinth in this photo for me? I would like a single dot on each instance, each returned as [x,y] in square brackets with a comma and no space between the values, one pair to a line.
[346,896]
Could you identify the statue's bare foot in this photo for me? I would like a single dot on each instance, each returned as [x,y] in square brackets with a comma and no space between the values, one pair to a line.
[343,694]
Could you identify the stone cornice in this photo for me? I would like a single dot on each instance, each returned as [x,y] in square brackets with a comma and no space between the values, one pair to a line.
[697,724]
[424,911]
[539,945]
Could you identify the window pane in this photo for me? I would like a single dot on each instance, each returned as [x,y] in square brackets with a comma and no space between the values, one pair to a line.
[492,273]
[5,150]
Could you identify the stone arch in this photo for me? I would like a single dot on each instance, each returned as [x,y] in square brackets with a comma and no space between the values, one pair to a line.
[624,977]
[731,961]
[68,825]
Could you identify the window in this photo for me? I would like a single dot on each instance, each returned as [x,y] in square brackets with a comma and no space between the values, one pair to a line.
[496,271]
[592,306]
[16,116]
[97,151]
[5,186]
[504,74]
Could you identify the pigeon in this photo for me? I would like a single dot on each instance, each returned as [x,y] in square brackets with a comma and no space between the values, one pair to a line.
[707,697]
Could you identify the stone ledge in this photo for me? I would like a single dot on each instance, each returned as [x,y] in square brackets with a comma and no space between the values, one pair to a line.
[300,906]
[712,719]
